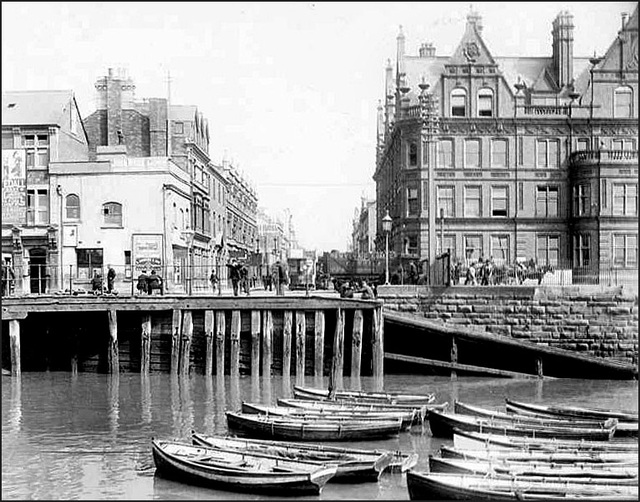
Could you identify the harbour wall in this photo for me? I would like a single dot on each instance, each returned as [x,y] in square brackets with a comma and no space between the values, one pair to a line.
[593,320]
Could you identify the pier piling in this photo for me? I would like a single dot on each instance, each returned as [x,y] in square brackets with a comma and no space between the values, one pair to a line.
[301,328]
[255,343]
[318,332]
[234,352]
[220,329]
[14,340]
[209,340]
[113,355]
[286,342]
[145,348]
[356,343]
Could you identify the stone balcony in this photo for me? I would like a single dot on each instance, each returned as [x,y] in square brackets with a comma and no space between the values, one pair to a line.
[590,157]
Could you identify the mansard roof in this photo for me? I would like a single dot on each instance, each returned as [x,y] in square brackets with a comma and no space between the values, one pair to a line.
[46,108]
[629,34]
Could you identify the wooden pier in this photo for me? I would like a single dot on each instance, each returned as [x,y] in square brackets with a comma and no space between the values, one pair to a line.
[222,335]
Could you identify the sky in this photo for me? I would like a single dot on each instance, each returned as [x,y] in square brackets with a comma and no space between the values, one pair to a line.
[290,89]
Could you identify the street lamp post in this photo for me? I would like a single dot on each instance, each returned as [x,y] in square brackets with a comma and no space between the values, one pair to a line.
[386,228]
[188,237]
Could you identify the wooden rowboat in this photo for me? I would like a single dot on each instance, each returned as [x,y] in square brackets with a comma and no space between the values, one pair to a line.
[574,411]
[442,425]
[353,465]
[468,409]
[541,456]
[627,421]
[585,472]
[426,486]
[362,396]
[290,411]
[239,472]
[419,410]
[311,429]
[479,441]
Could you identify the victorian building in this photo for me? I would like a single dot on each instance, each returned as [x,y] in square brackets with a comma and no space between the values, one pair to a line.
[38,128]
[364,229]
[513,158]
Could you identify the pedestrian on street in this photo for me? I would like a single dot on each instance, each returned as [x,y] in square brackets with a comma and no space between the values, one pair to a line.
[346,291]
[154,282]
[142,282]
[470,278]
[96,283]
[111,277]
[234,275]
[213,279]
[282,278]
[244,279]
[367,292]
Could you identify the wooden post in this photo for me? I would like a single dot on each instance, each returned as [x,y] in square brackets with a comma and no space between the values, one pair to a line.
[113,353]
[176,326]
[255,342]
[539,371]
[145,347]
[220,329]
[234,353]
[319,344]
[378,343]
[208,335]
[454,355]
[337,362]
[301,330]
[185,346]
[356,343]
[286,342]
[267,333]
[14,340]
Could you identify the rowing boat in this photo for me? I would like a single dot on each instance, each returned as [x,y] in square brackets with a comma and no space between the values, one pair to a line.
[479,441]
[408,419]
[237,471]
[627,421]
[353,465]
[419,410]
[586,472]
[311,429]
[560,457]
[574,411]
[468,409]
[427,486]
[362,396]
[442,425]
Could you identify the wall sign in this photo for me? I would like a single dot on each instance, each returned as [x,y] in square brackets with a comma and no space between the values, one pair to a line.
[14,188]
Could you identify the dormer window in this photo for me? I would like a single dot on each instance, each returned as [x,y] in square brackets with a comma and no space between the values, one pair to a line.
[458,103]
[623,102]
[485,103]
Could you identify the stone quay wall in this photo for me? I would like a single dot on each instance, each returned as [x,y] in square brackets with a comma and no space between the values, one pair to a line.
[593,320]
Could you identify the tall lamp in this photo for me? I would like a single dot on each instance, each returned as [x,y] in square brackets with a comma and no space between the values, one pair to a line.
[188,235]
[386,228]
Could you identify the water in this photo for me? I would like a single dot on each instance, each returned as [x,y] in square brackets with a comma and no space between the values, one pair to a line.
[88,436]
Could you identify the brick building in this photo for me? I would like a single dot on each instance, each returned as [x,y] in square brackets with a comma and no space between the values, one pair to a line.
[38,128]
[514,158]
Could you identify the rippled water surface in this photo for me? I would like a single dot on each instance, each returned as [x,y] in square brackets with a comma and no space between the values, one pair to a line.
[88,436]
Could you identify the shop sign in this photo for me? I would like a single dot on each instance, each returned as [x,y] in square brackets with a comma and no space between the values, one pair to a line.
[14,190]
[146,252]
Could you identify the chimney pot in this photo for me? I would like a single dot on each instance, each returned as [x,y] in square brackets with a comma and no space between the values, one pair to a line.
[624,19]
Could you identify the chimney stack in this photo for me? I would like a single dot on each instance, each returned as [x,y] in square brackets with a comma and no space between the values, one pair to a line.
[562,33]
[624,19]
[475,20]
[427,50]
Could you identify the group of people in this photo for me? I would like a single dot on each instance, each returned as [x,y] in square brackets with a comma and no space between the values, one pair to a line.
[97,282]
[346,290]
[147,284]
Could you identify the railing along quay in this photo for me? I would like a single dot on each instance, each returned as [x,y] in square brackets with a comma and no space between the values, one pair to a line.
[262,335]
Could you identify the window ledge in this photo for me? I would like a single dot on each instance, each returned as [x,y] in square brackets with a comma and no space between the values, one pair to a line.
[117,227]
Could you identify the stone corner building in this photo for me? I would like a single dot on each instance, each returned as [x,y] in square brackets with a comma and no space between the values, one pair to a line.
[515,158]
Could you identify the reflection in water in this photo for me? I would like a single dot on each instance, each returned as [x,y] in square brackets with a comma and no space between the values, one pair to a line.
[113,401]
[84,437]
[145,391]
[220,407]
[378,383]
[234,393]
[286,386]
[15,405]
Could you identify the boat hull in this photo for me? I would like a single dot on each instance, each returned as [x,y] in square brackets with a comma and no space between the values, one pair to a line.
[310,430]
[353,465]
[425,486]
[229,478]
[443,425]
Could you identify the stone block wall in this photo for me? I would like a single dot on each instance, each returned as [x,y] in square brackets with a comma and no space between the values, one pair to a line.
[593,320]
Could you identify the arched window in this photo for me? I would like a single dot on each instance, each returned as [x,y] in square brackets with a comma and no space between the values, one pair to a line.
[485,103]
[112,212]
[72,205]
[623,102]
[182,220]
[413,154]
[458,103]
